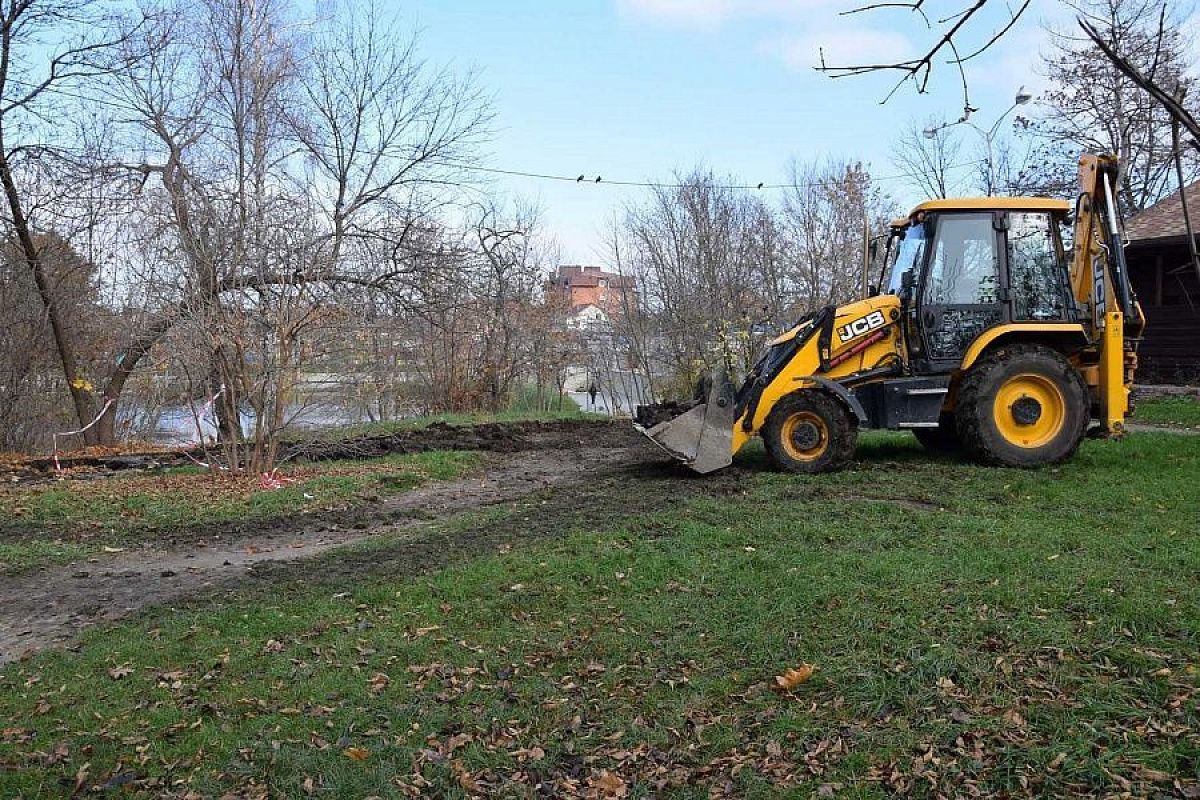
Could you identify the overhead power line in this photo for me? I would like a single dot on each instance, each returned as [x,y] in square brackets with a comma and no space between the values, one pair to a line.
[582,178]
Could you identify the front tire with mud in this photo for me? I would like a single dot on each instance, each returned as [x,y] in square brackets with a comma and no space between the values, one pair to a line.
[1022,406]
[809,431]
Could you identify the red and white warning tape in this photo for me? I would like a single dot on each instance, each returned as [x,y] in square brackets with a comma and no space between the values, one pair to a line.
[273,480]
[208,407]
[54,437]
[200,431]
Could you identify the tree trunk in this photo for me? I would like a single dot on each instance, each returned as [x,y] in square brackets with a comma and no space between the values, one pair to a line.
[80,395]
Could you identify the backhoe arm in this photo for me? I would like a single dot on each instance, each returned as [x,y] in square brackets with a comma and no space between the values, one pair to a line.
[1100,282]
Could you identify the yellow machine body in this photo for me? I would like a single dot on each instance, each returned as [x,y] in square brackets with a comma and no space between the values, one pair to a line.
[868,364]
[866,335]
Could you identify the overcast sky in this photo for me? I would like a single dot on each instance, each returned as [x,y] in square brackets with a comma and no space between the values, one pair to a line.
[634,89]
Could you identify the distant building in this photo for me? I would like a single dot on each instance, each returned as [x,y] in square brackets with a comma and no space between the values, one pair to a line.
[587,317]
[577,286]
[1160,267]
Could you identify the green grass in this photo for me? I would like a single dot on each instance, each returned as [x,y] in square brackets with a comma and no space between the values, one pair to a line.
[1169,410]
[976,631]
[31,554]
[67,520]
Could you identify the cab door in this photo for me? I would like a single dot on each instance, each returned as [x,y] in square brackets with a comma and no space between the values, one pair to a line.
[959,295]
[1038,282]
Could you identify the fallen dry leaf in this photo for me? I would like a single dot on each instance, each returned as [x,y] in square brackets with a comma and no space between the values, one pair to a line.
[1054,765]
[120,671]
[608,784]
[81,776]
[356,753]
[1153,775]
[792,678]
[465,779]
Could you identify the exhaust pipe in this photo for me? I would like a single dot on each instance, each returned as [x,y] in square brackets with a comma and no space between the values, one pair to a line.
[698,433]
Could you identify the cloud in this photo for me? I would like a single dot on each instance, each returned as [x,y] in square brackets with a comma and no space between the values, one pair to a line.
[841,47]
[792,31]
[712,13]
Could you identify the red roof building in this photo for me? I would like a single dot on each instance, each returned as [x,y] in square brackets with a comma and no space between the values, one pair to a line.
[579,286]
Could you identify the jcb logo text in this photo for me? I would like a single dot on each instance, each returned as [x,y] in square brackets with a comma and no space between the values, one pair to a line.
[861,325]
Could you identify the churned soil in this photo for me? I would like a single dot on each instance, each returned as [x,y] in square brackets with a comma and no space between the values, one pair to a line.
[544,478]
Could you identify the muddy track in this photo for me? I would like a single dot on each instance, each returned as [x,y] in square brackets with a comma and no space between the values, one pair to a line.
[568,475]
[496,437]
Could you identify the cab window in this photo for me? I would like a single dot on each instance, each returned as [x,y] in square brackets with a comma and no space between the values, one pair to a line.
[1035,271]
[964,269]
[906,251]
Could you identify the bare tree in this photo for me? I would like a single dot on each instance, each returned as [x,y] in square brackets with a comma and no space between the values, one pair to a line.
[1093,106]
[955,34]
[511,269]
[383,131]
[265,214]
[46,47]
[829,211]
[927,155]
[30,386]
[702,254]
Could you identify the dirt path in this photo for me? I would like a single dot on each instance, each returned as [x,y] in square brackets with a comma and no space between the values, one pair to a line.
[52,606]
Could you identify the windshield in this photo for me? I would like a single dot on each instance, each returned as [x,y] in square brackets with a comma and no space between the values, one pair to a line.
[905,251]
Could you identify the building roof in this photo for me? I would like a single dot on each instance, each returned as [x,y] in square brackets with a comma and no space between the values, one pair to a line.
[574,276]
[998,203]
[1164,219]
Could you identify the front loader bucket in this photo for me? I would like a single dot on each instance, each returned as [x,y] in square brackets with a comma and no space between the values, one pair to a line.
[700,434]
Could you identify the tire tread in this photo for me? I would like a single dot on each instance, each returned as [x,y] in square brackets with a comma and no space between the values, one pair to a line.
[974,401]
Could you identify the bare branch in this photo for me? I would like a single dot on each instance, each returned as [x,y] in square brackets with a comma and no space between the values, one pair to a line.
[917,70]
[1169,102]
[916,7]
[999,34]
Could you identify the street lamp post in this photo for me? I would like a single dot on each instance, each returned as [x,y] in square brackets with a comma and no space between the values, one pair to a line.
[1022,97]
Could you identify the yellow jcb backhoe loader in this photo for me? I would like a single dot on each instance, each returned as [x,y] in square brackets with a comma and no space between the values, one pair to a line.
[988,335]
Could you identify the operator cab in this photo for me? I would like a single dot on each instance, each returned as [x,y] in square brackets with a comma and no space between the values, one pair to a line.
[961,267]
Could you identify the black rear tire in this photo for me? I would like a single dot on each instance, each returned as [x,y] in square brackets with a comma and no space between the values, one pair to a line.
[943,438]
[1022,406]
[809,431]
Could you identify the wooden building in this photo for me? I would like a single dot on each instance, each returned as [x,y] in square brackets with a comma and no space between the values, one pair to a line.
[1167,286]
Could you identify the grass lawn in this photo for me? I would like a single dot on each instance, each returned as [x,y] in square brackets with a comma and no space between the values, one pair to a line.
[61,521]
[975,631]
[1169,410]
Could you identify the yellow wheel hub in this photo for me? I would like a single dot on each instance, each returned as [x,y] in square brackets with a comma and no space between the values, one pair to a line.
[805,436]
[1029,410]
